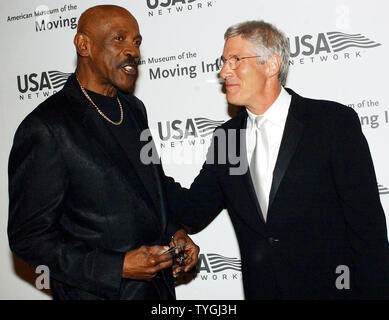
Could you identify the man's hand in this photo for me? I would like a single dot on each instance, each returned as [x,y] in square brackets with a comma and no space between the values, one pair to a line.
[145,262]
[191,252]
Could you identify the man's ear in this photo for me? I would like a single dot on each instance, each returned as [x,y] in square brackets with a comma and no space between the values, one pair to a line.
[273,65]
[82,43]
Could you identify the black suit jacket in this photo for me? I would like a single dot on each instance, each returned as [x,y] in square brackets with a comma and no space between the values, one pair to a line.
[80,198]
[324,208]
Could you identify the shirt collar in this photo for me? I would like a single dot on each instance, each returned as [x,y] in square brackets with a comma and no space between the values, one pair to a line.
[278,111]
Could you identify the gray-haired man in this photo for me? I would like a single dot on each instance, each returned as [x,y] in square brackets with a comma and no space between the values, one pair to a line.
[307,213]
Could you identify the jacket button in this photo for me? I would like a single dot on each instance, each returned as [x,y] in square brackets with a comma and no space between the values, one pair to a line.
[273,240]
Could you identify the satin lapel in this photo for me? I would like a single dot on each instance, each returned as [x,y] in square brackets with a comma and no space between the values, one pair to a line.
[132,146]
[86,113]
[290,139]
[150,171]
[110,142]
[161,198]
[244,188]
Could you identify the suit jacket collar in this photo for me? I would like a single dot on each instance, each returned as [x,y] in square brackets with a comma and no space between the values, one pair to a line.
[290,139]
[241,184]
[110,142]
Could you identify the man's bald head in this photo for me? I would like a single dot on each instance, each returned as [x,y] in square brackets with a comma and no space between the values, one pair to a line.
[92,18]
[108,43]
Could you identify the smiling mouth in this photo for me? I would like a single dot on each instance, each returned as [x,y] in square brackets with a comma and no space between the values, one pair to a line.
[129,69]
[231,86]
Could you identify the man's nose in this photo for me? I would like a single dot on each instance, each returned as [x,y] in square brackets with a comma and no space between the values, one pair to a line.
[225,71]
[132,51]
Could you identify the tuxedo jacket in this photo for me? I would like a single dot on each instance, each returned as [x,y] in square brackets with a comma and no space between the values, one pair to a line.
[324,221]
[80,198]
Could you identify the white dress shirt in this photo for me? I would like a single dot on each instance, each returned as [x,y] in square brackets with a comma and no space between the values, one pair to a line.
[276,118]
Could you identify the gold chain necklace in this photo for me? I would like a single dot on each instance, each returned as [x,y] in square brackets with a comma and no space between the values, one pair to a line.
[101,112]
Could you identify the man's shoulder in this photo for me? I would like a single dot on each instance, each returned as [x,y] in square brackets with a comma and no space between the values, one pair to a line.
[49,111]
[321,107]
[235,122]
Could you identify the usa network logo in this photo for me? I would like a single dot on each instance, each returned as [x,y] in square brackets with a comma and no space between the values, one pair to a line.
[213,266]
[42,84]
[382,190]
[329,46]
[186,132]
[168,7]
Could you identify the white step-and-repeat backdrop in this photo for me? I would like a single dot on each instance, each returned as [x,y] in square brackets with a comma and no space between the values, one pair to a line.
[339,52]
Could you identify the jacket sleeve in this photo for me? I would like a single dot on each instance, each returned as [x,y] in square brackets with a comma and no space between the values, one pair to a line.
[38,184]
[195,207]
[190,208]
[356,185]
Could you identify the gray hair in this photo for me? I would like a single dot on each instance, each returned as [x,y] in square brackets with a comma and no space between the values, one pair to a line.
[267,41]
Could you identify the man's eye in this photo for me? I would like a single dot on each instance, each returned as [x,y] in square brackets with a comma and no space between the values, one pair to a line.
[137,42]
[119,38]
